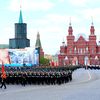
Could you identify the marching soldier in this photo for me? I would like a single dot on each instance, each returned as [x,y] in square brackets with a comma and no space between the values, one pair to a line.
[3,76]
[23,79]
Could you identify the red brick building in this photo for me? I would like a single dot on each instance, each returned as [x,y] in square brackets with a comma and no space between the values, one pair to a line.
[80,51]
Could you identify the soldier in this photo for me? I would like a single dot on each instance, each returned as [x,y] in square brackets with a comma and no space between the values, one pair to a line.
[70,75]
[3,76]
[23,76]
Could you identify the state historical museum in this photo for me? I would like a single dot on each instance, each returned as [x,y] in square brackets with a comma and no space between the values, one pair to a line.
[80,51]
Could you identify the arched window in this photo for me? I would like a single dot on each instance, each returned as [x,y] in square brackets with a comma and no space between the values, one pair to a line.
[86,48]
[75,50]
[81,50]
[96,57]
[66,58]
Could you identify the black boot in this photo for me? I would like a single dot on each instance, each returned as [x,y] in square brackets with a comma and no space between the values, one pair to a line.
[5,88]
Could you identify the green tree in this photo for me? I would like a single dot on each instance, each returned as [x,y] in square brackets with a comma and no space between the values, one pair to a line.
[44,61]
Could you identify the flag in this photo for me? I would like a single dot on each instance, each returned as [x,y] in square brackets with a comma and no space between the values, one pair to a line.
[52,63]
[3,75]
[2,68]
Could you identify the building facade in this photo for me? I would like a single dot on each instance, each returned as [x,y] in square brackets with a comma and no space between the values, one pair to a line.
[20,40]
[80,51]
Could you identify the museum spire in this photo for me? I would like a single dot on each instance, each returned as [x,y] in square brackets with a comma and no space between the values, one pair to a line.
[92,30]
[70,30]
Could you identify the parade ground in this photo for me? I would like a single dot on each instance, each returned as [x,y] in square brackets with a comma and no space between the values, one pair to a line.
[85,85]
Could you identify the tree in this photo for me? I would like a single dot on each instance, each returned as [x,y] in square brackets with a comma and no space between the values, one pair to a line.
[44,61]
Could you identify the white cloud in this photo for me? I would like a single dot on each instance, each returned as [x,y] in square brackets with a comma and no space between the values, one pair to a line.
[91,12]
[56,18]
[41,22]
[62,18]
[61,1]
[30,5]
[7,32]
[78,2]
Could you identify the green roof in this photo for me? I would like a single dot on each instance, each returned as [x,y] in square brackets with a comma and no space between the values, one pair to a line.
[20,17]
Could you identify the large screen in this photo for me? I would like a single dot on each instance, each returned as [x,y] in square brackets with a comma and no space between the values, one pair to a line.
[19,56]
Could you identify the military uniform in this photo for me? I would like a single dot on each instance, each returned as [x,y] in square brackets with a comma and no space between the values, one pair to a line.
[3,76]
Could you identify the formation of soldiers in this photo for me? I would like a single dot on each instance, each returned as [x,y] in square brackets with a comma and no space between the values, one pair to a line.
[49,76]
[94,67]
[38,76]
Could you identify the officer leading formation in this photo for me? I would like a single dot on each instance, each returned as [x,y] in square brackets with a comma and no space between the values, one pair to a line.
[3,80]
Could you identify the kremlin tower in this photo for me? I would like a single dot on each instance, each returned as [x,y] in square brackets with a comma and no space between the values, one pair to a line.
[20,40]
[39,46]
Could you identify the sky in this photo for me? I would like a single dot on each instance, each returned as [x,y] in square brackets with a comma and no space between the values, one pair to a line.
[51,19]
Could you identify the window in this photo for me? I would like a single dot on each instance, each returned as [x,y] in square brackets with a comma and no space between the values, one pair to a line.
[92,50]
[81,50]
[86,49]
[75,50]
[78,50]
[70,51]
